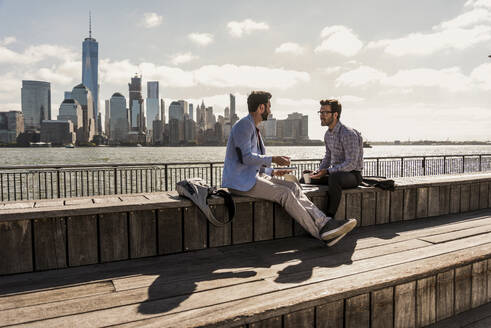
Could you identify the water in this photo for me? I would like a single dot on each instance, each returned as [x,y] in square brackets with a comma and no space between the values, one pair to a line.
[99,155]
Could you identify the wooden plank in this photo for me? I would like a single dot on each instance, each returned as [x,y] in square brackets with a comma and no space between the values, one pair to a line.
[258,294]
[195,229]
[479,284]
[483,195]
[169,230]
[426,301]
[383,207]
[433,201]
[113,236]
[82,240]
[405,305]
[275,322]
[263,220]
[368,208]
[422,203]
[50,244]
[353,206]
[444,200]
[489,279]
[455,199]
[445,237]
[445,295]
[302,318]
[463,285]
[15,247]
[330,315]
[474,196]
[465,197]
[143,233]
[341,211]
[396,205]
[220,236]
[357,312]
[383,307]
[283,222]
[55,295]
[242,225]
[409,211]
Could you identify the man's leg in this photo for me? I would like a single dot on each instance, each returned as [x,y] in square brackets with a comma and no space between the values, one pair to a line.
[337,182]
[283,195]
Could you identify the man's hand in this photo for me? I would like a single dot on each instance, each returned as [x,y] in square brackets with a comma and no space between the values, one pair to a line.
[280,173]
[281,160]
[319,174]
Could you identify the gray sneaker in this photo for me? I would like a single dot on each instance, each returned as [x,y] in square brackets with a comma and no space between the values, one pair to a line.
[334,230]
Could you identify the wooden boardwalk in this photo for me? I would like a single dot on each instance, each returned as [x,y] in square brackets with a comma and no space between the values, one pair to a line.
[407,274]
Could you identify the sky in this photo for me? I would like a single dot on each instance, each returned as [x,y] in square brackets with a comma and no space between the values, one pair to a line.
[403,70]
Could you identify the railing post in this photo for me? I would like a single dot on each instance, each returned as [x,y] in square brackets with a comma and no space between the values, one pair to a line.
[378,167]
[166,176]
[115,181]
[58,180]
[463,164]
[480,159]
[211,174]
[424,165]
[402,167]
[444,164]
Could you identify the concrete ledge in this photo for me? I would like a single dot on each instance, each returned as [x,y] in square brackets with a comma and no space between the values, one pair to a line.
[52,234]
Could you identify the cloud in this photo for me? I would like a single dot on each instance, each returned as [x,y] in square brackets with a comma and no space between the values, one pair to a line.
[36,53]
[339,39]
[151,20]
[360,76]
[481,76]
[478,3]
[182,58]
[351,99]
[202,39]
[219,76]
[290,48]
[246,27]
[332,70]
[469,18]
[7,40]
[297,102]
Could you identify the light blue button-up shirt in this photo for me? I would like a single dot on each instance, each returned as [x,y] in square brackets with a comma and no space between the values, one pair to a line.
[240,173]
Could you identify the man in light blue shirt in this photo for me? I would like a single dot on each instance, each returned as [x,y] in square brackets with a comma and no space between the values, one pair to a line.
[247,172]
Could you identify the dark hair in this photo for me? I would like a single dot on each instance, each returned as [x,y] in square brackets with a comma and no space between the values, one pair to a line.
[257,98]
[335,105]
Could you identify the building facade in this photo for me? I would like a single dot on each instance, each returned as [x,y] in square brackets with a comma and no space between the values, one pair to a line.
[90,69]
[36,103]
[71,110]
[11,125]
[119,122]
[59,133]
[84,97]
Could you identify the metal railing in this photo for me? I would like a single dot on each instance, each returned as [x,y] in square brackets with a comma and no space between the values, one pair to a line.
[62,181]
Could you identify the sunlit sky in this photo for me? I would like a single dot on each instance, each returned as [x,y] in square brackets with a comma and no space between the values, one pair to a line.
[402,69]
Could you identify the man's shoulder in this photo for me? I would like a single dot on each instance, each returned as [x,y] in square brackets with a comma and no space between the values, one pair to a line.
[344,129]
[243,123]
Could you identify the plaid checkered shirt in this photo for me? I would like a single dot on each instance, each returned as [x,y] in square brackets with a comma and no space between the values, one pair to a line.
[344,150]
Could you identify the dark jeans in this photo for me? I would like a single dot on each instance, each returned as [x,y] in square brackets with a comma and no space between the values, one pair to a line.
[337,182]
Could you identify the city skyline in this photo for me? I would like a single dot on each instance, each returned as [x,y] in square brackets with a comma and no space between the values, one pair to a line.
[405,72]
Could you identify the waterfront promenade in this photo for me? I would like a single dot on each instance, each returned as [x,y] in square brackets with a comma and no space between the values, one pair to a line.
[421,254]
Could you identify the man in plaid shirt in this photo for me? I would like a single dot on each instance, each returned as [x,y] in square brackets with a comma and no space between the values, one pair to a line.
[342,165]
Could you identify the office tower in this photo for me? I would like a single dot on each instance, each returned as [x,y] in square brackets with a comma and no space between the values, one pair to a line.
[36,103]
[233,116]
[90,66]
[71,110]
[57,132]
[176,111]
[11,125]
[162,111]
[184,105]
[200,116]
[153,108]
[137,117]
[84,97]
[119,122]
[210,118]
[99,124]
[68,95]
[227,113]
[107,117]
[191,111]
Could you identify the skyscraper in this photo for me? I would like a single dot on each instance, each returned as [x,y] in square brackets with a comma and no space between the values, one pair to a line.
[136,104]
[36,103]
[83,95]
[153,108]
[119,123]
[71,110]
[233,117]
[90,64]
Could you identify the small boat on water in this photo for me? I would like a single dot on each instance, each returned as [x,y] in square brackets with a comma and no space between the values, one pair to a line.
[366,144]
[69,146]
[40,144]
[139,145]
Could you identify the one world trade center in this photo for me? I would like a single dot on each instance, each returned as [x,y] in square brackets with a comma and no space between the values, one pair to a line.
[90,64]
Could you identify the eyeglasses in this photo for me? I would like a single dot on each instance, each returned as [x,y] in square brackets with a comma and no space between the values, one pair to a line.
[324,112]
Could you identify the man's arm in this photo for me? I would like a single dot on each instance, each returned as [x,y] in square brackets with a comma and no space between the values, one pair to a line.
[243,136]
[326,161]
[351,144]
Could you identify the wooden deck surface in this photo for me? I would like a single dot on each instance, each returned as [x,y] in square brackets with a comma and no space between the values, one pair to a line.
[259,281]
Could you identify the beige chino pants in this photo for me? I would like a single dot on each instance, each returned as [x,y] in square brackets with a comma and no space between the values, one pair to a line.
[291,197]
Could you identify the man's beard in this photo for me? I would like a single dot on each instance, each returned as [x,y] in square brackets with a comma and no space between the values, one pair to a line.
[264,116]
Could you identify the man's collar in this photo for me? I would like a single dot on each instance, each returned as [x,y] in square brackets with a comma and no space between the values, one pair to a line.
[336,128]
